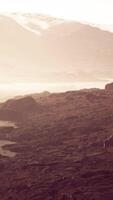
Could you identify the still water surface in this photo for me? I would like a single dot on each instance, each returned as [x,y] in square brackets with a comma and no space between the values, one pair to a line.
[3,143]
[6,152]
[7,124]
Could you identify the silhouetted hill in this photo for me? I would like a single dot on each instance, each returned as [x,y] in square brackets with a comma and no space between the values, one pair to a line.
[42,107]
[22,104]
[19,109]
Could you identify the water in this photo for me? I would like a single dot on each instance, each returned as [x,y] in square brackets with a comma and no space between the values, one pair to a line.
[5,152]
[7,124]
[3,143]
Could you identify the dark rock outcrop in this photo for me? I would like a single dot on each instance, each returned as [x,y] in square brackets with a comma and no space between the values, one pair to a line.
[108,143]
[18,109]
[21,104]
[109,88]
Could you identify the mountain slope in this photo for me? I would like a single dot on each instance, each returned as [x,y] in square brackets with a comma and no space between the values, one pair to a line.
[64,51]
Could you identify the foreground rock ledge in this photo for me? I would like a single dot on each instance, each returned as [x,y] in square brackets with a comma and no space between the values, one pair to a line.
[109,88]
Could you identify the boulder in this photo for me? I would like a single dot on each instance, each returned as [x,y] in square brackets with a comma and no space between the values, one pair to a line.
[109,88]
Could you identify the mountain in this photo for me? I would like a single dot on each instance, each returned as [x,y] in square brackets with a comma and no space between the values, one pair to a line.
[38,48]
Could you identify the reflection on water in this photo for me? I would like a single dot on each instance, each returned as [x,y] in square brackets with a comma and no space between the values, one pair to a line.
[7,124]
[5,152]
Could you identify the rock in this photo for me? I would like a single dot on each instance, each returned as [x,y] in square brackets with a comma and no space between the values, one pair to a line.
[109,88]
[108,144]
[20,104]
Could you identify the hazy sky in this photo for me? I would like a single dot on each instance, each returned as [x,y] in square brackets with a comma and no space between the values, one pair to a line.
[95,11]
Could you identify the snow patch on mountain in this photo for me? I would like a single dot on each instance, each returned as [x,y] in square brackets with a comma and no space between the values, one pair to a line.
[35,23]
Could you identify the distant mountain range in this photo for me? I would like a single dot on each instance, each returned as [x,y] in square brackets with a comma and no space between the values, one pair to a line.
[39,48]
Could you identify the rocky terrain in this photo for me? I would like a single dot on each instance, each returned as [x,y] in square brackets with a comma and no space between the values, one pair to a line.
[63,146]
